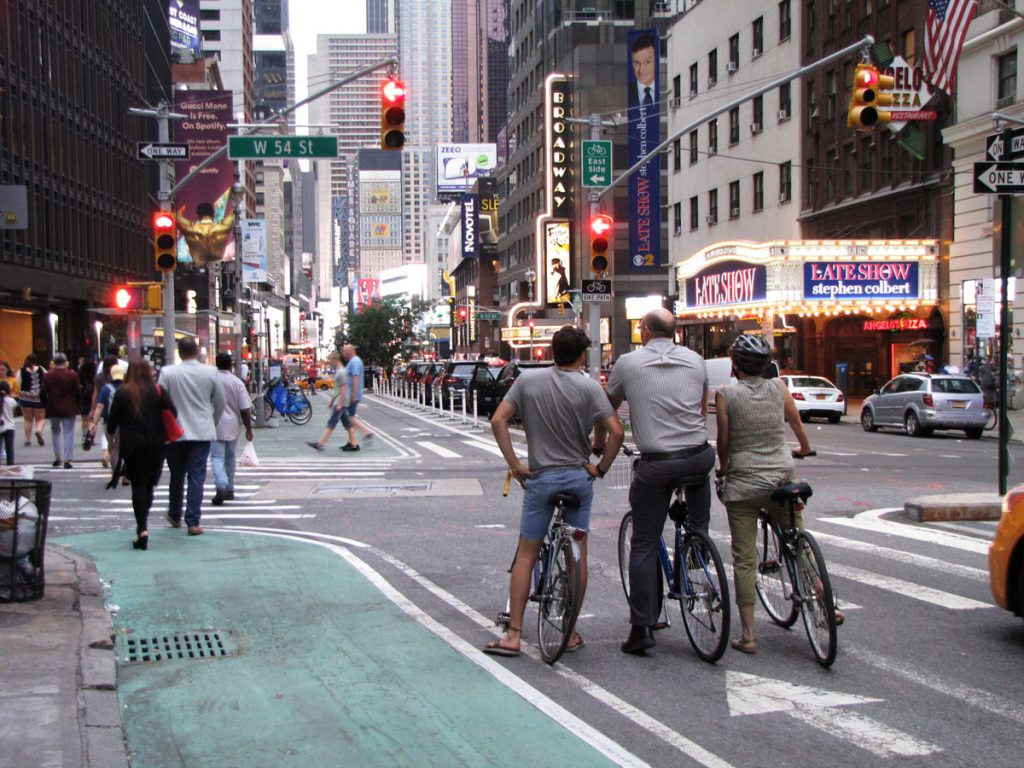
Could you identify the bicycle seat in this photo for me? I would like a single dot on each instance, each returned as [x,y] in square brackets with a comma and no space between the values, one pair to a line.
[686,481]
[791,491]
[564,500]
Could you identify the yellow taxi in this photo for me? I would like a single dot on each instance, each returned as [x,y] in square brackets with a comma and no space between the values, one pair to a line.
[322,383]
[1006,555]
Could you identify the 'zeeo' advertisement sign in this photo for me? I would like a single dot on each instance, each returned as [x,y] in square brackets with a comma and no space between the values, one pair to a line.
[832,280]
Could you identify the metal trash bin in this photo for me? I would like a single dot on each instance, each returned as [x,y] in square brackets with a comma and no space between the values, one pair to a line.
[24,513]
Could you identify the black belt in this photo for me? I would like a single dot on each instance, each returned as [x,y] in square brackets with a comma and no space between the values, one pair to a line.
[682,453]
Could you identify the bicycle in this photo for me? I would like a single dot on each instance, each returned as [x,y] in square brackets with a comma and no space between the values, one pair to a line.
[695,574]
[803,585]
[992,413]
[288,401]
[557,575]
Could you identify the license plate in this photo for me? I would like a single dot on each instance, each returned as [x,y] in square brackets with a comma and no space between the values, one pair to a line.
[820,397]
[959,403]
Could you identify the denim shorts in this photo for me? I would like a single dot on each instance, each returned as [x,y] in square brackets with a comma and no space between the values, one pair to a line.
[339,414]
[536,515]
[351,410]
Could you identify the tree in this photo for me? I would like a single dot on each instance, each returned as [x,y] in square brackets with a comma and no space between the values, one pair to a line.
[382,330]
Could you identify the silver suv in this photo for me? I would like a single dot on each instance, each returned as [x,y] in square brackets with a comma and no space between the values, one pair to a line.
[917,403]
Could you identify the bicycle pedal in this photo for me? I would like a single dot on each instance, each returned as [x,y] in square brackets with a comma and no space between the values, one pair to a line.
[503,620]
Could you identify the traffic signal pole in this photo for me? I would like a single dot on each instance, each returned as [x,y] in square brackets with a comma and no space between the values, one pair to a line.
[594,308]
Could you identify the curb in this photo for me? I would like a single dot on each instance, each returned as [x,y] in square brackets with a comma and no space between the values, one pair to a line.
[955,507]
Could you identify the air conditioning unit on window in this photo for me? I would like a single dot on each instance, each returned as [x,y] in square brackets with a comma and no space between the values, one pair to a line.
[783,199]
[711,219]
[712,81]
[735,213]
[783,114]
[731,66]
[693,93]
[755,127]
[674,103]
[755,53]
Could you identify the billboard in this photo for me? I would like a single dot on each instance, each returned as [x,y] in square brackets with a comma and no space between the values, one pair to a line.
[368,291]
[205,130]
[254,251]
[470,227]
[487,217]
[558,260]
[459,165]
[183,18]
[380,196]
[644,135]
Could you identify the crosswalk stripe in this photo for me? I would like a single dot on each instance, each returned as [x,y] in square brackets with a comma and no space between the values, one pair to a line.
[899,555]
[441,451]
[906,588]
[870,521]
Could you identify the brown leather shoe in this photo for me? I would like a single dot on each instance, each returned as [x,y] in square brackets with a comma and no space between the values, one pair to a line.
[195,530]
[173,523]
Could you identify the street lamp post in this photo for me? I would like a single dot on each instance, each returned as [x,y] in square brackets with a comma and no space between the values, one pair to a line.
[238,204]
[530,276]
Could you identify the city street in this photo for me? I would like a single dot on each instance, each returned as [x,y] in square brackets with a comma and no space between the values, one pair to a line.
[928,667]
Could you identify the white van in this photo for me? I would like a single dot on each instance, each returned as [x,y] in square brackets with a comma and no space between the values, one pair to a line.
[720,375]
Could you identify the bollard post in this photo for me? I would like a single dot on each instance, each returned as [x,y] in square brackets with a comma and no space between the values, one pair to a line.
[464,406]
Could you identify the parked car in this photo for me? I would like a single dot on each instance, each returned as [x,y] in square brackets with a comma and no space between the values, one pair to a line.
[816,396]
[510,372]
[430,374]
[473,379]
[917,403]
[1006,554]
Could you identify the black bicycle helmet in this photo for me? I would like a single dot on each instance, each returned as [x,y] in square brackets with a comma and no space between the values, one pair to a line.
[750,354]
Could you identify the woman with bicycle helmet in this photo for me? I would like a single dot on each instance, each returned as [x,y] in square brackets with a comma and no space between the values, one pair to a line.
[754,460]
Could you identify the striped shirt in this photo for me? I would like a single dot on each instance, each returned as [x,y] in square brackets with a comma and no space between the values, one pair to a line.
[665,385]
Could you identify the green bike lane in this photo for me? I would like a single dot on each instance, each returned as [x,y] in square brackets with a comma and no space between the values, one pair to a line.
[326,665]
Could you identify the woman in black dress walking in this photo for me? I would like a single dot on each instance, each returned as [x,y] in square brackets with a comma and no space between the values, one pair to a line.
[136,410]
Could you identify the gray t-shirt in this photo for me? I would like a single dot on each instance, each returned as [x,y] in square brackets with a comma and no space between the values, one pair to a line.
[559,409]
[340,387]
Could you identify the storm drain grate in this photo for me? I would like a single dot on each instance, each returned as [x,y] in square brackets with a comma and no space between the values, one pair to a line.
[184,645]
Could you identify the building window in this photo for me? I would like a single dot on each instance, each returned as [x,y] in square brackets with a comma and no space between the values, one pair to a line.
[211,35]
[831,164]
[759,191]
[758,123]
[1007,78]
[677,151]
[734,126]
[867,180]
[812,23]
[830,19]
[693,79]
[713,67]
[812,104]
[677,218]
[677,89]
[693,147]
[757,32]
[713,137]
[830,102]
[785,22]
[848,166]
[205,15]
[713,206]
[785,182]
[734,52]
[734,199]
[785,102]
[694,213]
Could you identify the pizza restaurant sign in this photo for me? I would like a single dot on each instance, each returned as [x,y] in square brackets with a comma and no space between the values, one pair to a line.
[897,324]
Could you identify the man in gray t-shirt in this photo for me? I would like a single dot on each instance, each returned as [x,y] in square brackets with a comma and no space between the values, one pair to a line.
[559,407]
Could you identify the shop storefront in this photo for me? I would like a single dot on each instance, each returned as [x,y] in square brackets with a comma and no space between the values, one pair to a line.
[855,311]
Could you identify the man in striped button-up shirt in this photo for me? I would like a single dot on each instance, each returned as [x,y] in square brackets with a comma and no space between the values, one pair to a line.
[666,386]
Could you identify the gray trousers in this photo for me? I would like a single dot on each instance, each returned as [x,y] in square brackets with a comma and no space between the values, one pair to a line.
[648,499]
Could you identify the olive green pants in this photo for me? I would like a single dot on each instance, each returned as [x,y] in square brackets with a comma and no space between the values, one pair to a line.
[743,528]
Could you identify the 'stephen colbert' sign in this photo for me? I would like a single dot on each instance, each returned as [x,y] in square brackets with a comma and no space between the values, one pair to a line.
[860,280]
[730,282]
[560,149]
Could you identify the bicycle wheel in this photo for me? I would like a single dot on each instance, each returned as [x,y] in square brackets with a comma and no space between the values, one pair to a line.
[559,601]
[817,606]
[301,411]
[992,418]
[268,409]
[703,595]
[625,537]
[772,581]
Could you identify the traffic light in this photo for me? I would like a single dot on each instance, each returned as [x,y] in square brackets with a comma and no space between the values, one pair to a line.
[868,97]
[392,114]
[165,241]
[137,297]
[601,234]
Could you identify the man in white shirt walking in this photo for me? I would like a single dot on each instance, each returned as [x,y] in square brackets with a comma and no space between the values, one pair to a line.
[237,413]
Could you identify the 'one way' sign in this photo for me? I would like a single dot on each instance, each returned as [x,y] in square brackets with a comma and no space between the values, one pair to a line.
[1000,178]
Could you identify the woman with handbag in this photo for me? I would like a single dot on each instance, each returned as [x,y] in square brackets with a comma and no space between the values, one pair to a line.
[31,400]
[137,410]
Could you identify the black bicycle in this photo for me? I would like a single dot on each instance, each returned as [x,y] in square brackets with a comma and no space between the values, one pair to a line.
[792,577]
[557,579]
[695,574]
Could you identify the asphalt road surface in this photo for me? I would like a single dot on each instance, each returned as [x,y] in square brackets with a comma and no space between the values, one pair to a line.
[929,670]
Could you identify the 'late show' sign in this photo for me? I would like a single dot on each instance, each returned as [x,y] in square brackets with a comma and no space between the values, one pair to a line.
[832,280]
[727,283]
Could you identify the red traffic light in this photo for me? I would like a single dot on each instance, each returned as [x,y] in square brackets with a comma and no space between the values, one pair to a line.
[392,114]
[601,224]
[601,231]
[163,221]
[393,91]
[165,240]
[462,313]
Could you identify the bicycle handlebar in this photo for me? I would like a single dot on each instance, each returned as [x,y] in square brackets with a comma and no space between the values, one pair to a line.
[508,483]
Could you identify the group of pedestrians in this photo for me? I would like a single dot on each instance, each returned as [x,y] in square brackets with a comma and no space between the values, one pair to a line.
[666,386]
[346,395]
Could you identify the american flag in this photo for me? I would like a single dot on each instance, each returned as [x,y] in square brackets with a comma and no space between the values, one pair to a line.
[944,35]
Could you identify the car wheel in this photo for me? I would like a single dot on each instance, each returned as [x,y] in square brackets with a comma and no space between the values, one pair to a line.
[805,417]
[833,418]
[912,426]
[867,420]
[974,433]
